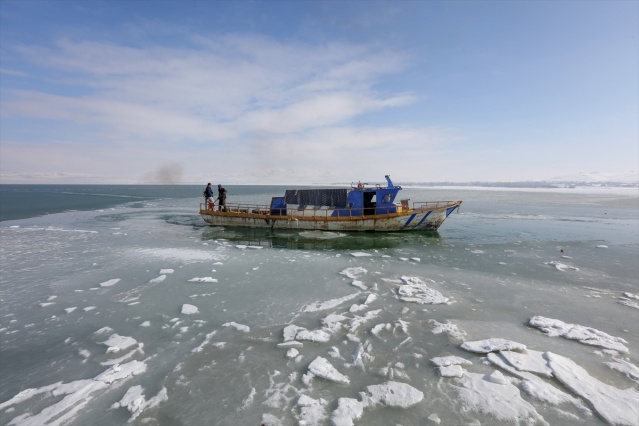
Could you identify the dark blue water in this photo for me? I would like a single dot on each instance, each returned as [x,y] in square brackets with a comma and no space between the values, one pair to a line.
[24,201]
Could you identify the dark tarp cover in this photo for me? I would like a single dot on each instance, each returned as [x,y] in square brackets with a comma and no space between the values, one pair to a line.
[317,197]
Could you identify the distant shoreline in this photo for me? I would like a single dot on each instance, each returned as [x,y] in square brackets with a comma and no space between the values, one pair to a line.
[532,186]
[619,190]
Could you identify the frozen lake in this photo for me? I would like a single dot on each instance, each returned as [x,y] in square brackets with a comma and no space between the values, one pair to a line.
[522,309]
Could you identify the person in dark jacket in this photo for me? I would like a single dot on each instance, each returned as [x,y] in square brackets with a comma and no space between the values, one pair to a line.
[208,196]
[221,196]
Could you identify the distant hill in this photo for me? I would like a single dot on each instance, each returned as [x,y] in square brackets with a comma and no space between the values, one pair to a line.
[587,179]
[593,179]
[529,184]
[621,177]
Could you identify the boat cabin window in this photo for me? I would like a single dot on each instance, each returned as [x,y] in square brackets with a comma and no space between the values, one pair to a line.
[387,198]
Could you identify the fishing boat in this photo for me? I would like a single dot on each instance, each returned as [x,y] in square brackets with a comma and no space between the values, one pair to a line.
[362,207]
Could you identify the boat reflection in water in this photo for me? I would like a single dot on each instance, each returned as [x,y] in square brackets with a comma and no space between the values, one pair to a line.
[315,240]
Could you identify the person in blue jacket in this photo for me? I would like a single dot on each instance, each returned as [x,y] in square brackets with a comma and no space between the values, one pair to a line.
[208,195]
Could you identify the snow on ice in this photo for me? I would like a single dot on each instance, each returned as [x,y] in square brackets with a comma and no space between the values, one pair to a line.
[586,335]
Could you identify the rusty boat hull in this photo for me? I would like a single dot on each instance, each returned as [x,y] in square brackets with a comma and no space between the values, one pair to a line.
[428,219]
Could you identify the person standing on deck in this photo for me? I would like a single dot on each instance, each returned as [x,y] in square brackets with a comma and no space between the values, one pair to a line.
[208,196]
[221,196]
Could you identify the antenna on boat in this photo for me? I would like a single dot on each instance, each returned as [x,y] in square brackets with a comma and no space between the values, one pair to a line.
[390,183]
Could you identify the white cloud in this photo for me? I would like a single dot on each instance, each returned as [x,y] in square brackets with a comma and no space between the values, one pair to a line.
[253,101]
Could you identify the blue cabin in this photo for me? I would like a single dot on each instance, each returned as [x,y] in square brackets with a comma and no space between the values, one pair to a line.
[359,201]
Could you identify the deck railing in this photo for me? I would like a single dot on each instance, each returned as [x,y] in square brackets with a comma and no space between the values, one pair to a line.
[321,213]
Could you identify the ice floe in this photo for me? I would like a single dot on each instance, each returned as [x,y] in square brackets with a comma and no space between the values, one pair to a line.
[625,367]
[116,343]
[444,361]
[311,411]
[451,371]
[530,360]
[157,280]
[239,327]
[454,333]
[360,254]
[189,309]
[492,345]
[359,284]
[320,367]
[392,394]
[450,366]
[489,393]
[334,322]
[617,406]
[354,272]
[202,280]
[348,409]
[434,418]
[630,299]
[135,401]
[328,304]
[415,290]
[313,336]
[111,282]
[68,399]
[586,335]
[561,266]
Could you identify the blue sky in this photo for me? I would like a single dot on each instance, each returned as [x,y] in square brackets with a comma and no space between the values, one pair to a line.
[316,91]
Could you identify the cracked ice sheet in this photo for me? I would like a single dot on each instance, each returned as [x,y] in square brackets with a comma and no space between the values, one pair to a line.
[388,394]
[357,321]
[311,411]
[617,406]
[535,386]
[586,335]
[77,395]
[135,401]
[531,361]
[482,393]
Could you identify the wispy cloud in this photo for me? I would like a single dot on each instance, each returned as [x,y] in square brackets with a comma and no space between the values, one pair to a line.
[234,95]
[310,91]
